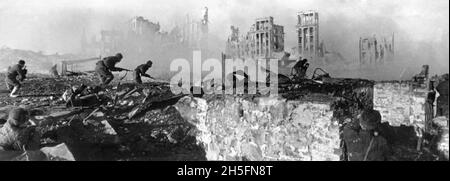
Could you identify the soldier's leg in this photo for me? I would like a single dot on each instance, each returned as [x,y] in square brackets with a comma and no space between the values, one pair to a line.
[102,78]
[108,78]
[9,86]
[104,75]
[100,74]
[137,77]
[16,88]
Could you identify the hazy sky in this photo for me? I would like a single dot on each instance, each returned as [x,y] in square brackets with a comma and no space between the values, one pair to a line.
[56,25]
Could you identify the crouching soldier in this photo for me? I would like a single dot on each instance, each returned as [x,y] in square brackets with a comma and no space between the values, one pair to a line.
[15,75]
[141,71]
[362,139]
[105,66]
[298,72]
[16,134]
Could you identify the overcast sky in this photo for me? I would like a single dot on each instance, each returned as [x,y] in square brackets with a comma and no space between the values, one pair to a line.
[56,25]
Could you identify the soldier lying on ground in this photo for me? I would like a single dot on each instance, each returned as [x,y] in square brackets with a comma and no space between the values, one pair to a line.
[17,134]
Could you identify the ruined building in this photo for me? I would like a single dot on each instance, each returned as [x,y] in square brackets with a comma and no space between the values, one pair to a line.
[308,35]
[375,50]
[140,35]
[141,26]
[264,40]
[110,41]
[195,33]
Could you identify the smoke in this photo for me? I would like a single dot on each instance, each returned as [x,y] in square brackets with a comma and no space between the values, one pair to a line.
[420,26]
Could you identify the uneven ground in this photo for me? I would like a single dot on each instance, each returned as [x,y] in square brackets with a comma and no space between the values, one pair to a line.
[159,134]
[159,131]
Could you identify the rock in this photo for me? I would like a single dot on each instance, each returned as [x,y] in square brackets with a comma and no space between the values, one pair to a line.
[443,133]
[98,114]
[62,114]
[251,151]
[442,121]
[58,152]
[108,129]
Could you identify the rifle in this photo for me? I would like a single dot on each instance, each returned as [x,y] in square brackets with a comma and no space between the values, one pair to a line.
[122,69]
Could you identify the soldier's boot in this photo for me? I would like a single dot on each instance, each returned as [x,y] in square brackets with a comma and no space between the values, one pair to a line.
[14,91]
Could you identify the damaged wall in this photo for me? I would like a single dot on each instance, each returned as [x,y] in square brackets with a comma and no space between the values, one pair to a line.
[400,103]
[232,128]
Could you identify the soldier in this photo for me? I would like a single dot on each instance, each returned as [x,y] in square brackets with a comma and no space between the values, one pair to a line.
[15,75]
[141,71]
[304,69]
[54,71]
[362,140]
[105,66]
[442,100]
[16,134]
[299,69]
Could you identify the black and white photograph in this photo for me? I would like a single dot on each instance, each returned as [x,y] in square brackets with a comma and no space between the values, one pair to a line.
[239,81]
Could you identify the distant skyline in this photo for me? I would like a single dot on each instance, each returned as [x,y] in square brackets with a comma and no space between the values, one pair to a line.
[56,25]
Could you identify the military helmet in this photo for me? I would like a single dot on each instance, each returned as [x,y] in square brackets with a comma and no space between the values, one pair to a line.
[17,116]
[22,62]
[370,119]
[149,62]
[119,55]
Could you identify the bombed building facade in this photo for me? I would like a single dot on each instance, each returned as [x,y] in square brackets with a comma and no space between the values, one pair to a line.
[376,50]
[305,119]
[140,35]
[264,40]
[308,34]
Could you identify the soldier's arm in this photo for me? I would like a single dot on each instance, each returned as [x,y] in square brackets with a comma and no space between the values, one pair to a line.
[22,73]
[148,76]
[33,141]
[294,71]
[111,64]
[116,69]
[142,71]
[385,148]
[3,140]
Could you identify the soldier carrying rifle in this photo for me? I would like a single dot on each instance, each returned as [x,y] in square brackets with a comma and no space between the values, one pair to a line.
[106,66]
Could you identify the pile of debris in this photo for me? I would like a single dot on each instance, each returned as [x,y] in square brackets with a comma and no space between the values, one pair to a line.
[121,122]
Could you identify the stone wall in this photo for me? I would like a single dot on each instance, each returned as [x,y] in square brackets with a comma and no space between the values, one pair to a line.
[235,128]
[400,103]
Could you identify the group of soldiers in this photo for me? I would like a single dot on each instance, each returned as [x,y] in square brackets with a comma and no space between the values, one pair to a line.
[18,133]
[104,68]
[363,137]
[107,65]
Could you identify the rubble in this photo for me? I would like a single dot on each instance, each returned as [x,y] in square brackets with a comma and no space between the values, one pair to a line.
[103,131]
[148,122]
[440,131]
[268,128]
[400,103]
[58,152]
